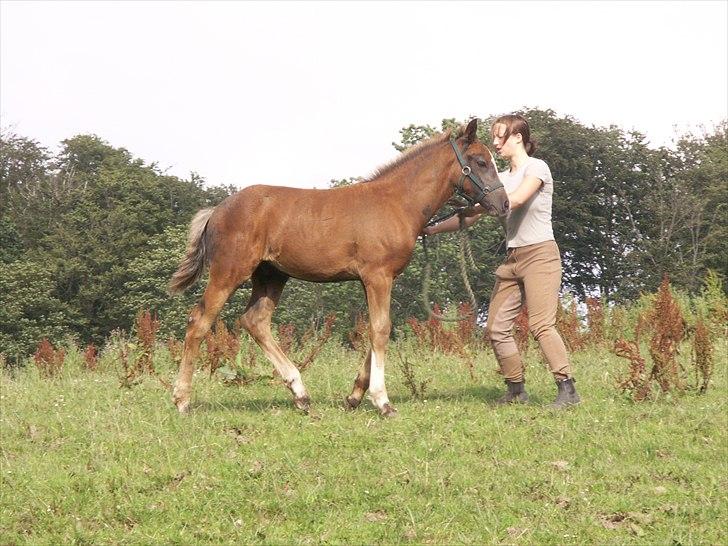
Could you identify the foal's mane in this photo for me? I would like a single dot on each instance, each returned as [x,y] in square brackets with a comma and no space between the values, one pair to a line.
[415,152]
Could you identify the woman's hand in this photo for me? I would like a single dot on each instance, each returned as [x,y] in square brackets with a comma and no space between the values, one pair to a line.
[475,210]
[469,215]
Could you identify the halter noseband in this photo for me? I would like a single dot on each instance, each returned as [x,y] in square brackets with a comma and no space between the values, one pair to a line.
[467,172]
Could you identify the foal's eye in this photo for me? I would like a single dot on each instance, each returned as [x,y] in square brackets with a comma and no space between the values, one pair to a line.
[481,163]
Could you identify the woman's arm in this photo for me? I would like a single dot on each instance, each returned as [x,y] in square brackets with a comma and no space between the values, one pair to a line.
[525,190]
[453,224]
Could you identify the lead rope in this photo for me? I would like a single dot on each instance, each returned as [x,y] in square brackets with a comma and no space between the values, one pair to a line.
[465,257]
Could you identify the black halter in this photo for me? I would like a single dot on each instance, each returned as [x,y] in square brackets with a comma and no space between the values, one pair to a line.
[483,190]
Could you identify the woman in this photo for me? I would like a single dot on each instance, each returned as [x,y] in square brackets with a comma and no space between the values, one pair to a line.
[531,274]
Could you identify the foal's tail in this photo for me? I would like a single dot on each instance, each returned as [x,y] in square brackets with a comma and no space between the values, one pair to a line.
[193,264]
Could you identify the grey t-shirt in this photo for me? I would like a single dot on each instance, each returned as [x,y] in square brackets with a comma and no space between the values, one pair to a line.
[531,222]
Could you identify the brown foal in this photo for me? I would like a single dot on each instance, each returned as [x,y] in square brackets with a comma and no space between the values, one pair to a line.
[366,232]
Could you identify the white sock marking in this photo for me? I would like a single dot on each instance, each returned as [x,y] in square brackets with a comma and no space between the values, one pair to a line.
[290,374]
[377,389]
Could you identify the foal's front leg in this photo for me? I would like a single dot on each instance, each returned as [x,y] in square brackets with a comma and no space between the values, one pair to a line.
[379,292]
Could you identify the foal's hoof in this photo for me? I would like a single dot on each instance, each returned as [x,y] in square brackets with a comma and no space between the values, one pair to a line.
[352,402]
[388,411]
[183,406]
[181,401]
[303,403]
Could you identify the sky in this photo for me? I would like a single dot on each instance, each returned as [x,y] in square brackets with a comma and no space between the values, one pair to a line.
[300,93]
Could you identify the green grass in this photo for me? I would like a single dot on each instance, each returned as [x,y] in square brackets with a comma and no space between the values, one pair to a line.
[85,461]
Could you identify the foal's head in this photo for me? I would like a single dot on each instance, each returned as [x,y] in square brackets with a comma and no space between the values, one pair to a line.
[485,187]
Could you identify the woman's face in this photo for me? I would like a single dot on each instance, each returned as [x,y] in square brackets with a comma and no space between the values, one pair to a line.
[506,148]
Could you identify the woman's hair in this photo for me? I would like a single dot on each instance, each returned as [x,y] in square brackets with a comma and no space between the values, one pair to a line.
[517,124]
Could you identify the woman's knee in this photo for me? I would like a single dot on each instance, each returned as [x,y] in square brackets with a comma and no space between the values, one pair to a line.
[497,335]
[541,329]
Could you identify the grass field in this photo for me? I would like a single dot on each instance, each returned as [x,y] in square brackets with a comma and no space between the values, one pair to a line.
[87,462]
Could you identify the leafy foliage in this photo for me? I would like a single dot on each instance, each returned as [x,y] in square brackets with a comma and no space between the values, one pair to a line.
[30,310]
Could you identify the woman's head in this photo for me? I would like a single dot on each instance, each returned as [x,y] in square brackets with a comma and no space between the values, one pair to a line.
[511,133]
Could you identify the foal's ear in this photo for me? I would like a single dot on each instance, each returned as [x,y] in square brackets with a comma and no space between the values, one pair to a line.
[471,130]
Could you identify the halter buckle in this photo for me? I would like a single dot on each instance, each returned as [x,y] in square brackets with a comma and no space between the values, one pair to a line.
[466,170]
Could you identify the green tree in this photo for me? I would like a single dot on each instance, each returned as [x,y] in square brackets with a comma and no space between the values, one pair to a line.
[712,181]
[89,214]
[26,197]
[118,204]
[23,167]
[698,198]
[29,310]
[11,247]
[411,135]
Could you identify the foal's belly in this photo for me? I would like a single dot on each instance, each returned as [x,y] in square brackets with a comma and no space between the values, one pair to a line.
[316,262]
[317,276]
[331,260]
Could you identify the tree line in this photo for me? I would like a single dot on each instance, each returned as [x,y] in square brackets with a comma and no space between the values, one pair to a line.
[89,236]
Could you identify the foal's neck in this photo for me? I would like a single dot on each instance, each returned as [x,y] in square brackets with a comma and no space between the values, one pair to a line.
[424,184]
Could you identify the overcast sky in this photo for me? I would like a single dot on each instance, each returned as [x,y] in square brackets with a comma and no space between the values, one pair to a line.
[304,92]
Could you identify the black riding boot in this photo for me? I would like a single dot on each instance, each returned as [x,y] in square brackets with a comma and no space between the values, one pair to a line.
[567,395]
[516,394]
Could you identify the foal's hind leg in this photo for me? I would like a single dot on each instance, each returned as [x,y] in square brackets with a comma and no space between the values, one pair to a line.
[361,383]
[268,285]
[201,318]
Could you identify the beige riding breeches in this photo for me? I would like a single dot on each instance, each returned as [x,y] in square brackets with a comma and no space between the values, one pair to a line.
[531,275]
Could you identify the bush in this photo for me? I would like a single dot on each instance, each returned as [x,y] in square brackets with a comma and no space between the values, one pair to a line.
[29,310]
